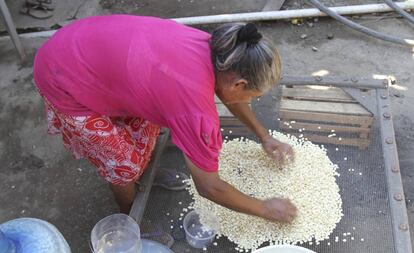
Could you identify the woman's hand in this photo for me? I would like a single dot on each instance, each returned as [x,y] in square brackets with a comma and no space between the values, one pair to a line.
[210,186]
[280,210]
[277,150]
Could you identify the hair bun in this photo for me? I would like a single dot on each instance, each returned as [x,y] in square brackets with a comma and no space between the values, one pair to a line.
[248,33]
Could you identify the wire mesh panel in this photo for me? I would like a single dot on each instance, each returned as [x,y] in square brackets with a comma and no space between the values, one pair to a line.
[367,222]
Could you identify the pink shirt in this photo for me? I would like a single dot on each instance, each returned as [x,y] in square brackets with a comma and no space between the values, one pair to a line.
[146,67]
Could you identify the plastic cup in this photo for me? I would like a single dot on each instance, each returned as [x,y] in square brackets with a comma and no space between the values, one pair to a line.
[196,236]
[283,249]
[116,233]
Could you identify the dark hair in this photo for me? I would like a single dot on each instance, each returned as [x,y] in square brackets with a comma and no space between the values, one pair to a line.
[239,47]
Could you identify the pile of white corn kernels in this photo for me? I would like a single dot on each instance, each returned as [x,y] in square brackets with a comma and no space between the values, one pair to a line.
[309,182]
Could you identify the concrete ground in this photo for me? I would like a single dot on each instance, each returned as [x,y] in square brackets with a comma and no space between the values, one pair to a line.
[39,178]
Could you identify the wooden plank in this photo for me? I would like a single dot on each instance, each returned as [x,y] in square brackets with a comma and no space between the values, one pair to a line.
[240,131]
[361,143]
[304,93]
[324,107]
[230,121]
[223,111]
[141,198]
[325,117]
[314,127]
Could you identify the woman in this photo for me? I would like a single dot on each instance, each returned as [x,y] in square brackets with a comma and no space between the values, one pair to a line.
[110,82]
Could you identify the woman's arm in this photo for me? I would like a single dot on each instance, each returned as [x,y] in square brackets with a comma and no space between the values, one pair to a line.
[274,148]
[210,186]
[245,114]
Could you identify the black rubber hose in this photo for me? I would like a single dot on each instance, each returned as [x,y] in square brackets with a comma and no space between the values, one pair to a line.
[400,10]
[360,28]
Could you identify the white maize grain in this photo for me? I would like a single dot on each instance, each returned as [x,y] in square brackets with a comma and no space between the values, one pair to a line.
[317,214]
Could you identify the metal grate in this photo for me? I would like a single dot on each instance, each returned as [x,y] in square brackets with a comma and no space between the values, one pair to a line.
[374,220]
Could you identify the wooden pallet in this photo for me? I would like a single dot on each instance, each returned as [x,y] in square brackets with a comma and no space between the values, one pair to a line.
[325,115]
[229,124]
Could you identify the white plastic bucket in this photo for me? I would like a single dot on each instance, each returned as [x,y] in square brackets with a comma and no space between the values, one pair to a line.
[283,249]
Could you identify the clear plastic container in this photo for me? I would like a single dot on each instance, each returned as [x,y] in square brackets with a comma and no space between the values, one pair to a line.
[117,233]
[283,249]
[197,236]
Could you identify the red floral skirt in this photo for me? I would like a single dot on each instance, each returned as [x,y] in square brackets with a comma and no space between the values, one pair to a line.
[119,147]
